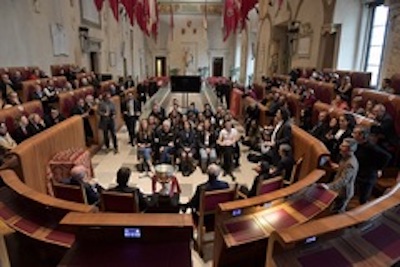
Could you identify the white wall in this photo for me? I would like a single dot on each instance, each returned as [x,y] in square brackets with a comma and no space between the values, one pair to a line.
[351,15]
[26,38]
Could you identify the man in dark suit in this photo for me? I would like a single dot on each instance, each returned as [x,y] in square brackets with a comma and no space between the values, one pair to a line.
[385,130]
[83,110]
[107,113]
[164,140]
[213,183]
[142,92]
[123,176]
[54,117]
[22,132]
[79,177]
[282,134]
[285,165]
[372,159]
[131,109]
[129,83]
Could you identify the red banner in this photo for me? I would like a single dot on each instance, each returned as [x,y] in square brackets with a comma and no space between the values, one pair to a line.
[130,9]
[99,4]
[245,7]
[171,20]
[114,8]
[231,17]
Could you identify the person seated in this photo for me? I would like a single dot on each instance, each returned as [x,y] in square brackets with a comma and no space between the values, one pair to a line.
[123,176]
[129,83]
[79,176]
[274,105]
[207,142]
[6,86]
[54,117]
[192,109]
[38,94]
[22,132]
[387,86]
[81,109]
[308,100]
[285,164]
[252,113]
[17,81]
[164,140]
[186,145]
[6,141]
[340,102]
[214,172]
[13,99]
[144,139]
[158,112]
[36,123]
[207,112]
[50,92]
[384,127]
[281,134]
[321,128]
[334,138]
[253,136]
[345,87]
[356,106]
[228,137]
[369,106]
[263,173]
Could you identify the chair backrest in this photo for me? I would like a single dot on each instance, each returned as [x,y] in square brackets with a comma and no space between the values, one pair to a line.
[119,202]
[68,192]
[209,200]
[295,171]
[270,185]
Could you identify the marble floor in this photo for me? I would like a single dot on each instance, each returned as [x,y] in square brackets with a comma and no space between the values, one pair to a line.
[106,165]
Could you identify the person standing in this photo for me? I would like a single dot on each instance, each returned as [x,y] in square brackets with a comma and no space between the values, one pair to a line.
[372,159]
[107,124]
[227,141]
[345,177]
[131,108]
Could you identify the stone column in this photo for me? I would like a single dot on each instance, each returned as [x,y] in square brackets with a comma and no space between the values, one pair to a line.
[391,62]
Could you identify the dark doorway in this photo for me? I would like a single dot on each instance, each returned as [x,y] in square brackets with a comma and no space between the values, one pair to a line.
[161,63]
[94,62]
[218,66]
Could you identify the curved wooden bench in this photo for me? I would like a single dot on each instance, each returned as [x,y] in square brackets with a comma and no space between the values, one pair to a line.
[67,100]
[33,154]
[10,115]
[334,112]
[247,234]
[25,71]
[366,225]
[35,214]
[390,101]
[29,86]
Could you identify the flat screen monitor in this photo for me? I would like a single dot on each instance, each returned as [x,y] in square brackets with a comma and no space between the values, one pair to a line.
[185,84]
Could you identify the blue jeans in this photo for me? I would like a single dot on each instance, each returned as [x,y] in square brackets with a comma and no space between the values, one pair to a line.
[145,152]
[165,156]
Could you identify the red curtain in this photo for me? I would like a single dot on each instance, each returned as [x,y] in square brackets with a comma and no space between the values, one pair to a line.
[99,4]
[171,20]
[114,8]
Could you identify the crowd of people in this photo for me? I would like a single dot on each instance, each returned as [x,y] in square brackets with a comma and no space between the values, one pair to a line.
[361,152]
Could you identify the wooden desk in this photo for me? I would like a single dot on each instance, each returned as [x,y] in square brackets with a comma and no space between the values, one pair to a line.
[164,240]
[237,237]
[355,246]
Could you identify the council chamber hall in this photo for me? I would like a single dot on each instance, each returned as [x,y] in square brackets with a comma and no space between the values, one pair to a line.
[225,133]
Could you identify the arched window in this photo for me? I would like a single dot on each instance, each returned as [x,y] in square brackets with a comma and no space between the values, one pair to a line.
[376,41]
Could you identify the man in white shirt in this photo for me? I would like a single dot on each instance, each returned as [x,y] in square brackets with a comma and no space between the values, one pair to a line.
[227,140]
